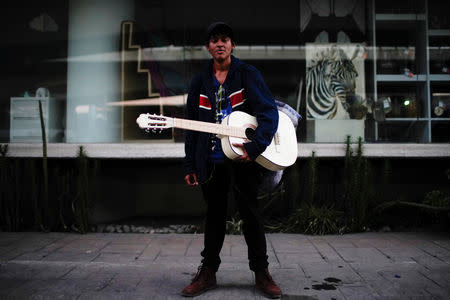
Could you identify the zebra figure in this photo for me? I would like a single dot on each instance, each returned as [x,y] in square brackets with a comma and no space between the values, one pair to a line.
[330,79]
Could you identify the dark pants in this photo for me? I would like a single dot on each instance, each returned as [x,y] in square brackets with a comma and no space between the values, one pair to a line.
[245,178]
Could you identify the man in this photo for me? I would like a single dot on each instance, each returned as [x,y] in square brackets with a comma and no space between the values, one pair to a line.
[225,85]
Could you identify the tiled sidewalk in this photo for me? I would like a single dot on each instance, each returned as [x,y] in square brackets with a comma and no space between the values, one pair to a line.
[152,266]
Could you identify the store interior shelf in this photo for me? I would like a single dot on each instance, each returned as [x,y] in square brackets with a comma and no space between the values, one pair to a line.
[440,77]
[439,32]
[407,119]
[400,17]
[257,52]
[400,78]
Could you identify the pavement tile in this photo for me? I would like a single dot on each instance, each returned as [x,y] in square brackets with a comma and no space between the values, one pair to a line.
[124,281]
[33,255]
[101,279]
[340,243]
[42,289]
[195,247]
[71,256]
[119,258]
[310,294]
[291,244]
[84,245]
[6,248]
[390,242]
[233,284]
[358,292]
[21,271]
[400,254]
[433,249]
[171,245]
[178,260]
[440,275]
[116,295]
[443,243]
[238,251]
[384,289]
[9,284]
[151,281]
[123,248]
[319,271]
[230,292]
[234,259]
[104,266]
[227,248]
[409,283]
[83,271]
[59,243]
[363,255]
[363,243]
[428,262]
[35,242]
[291,281]
[150,253]
[384,282]
[7,238]
[55,271]
[131,238]
[327,252]
[287,259]
[171,283]
[9,255]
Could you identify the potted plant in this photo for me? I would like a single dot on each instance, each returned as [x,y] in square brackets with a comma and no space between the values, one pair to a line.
[357,107]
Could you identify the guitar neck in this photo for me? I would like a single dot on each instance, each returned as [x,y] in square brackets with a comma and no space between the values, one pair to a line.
[219,129]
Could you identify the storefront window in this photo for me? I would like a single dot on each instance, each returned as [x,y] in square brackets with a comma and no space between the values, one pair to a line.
[374,69]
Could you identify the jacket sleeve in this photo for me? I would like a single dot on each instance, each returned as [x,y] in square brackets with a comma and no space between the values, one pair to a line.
[191,112]
[263,107]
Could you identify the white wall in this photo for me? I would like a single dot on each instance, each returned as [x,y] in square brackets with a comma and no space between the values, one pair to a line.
[93,77]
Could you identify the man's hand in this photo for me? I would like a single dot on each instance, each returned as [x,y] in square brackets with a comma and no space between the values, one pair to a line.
[191,179]
[244,157]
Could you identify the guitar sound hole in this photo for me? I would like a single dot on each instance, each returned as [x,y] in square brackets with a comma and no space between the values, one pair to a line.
[250,133]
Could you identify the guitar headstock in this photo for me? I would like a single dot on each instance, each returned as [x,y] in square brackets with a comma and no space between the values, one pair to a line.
[154,122]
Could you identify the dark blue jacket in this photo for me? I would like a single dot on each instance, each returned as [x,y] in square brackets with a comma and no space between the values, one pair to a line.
[245,88]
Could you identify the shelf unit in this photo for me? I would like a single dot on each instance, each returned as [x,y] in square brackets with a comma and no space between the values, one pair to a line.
[406,52]
[25,122]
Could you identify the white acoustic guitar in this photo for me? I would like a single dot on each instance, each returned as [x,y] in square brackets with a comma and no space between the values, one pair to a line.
[281,153]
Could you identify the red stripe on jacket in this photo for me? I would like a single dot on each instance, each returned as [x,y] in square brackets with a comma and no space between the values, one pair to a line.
[237,98]
[204,102]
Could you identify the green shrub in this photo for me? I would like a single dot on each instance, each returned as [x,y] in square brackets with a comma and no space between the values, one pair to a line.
[358,188]
[234,226]
[310,219]
[437,198]
[441,201]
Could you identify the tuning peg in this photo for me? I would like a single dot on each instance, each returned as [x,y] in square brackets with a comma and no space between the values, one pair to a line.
[157,130]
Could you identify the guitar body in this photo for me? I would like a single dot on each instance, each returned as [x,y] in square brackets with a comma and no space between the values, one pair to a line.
[282,151]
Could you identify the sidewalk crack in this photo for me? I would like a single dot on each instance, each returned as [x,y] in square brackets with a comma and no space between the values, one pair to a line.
[274,252]
[187,247]
[430,279]
[317,249]
[387,256]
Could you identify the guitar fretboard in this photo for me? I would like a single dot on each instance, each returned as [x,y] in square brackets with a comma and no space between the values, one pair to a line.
[210,127]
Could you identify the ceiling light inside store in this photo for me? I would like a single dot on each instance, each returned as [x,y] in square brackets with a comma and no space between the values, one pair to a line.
[43,23]
[82,109]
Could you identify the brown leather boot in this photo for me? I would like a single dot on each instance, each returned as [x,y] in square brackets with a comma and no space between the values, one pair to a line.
[266,284]
[204,280]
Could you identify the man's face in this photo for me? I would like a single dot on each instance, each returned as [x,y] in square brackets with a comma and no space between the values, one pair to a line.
[220,47]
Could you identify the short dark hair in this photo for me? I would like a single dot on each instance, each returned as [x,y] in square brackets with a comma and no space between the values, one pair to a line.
[217,29]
